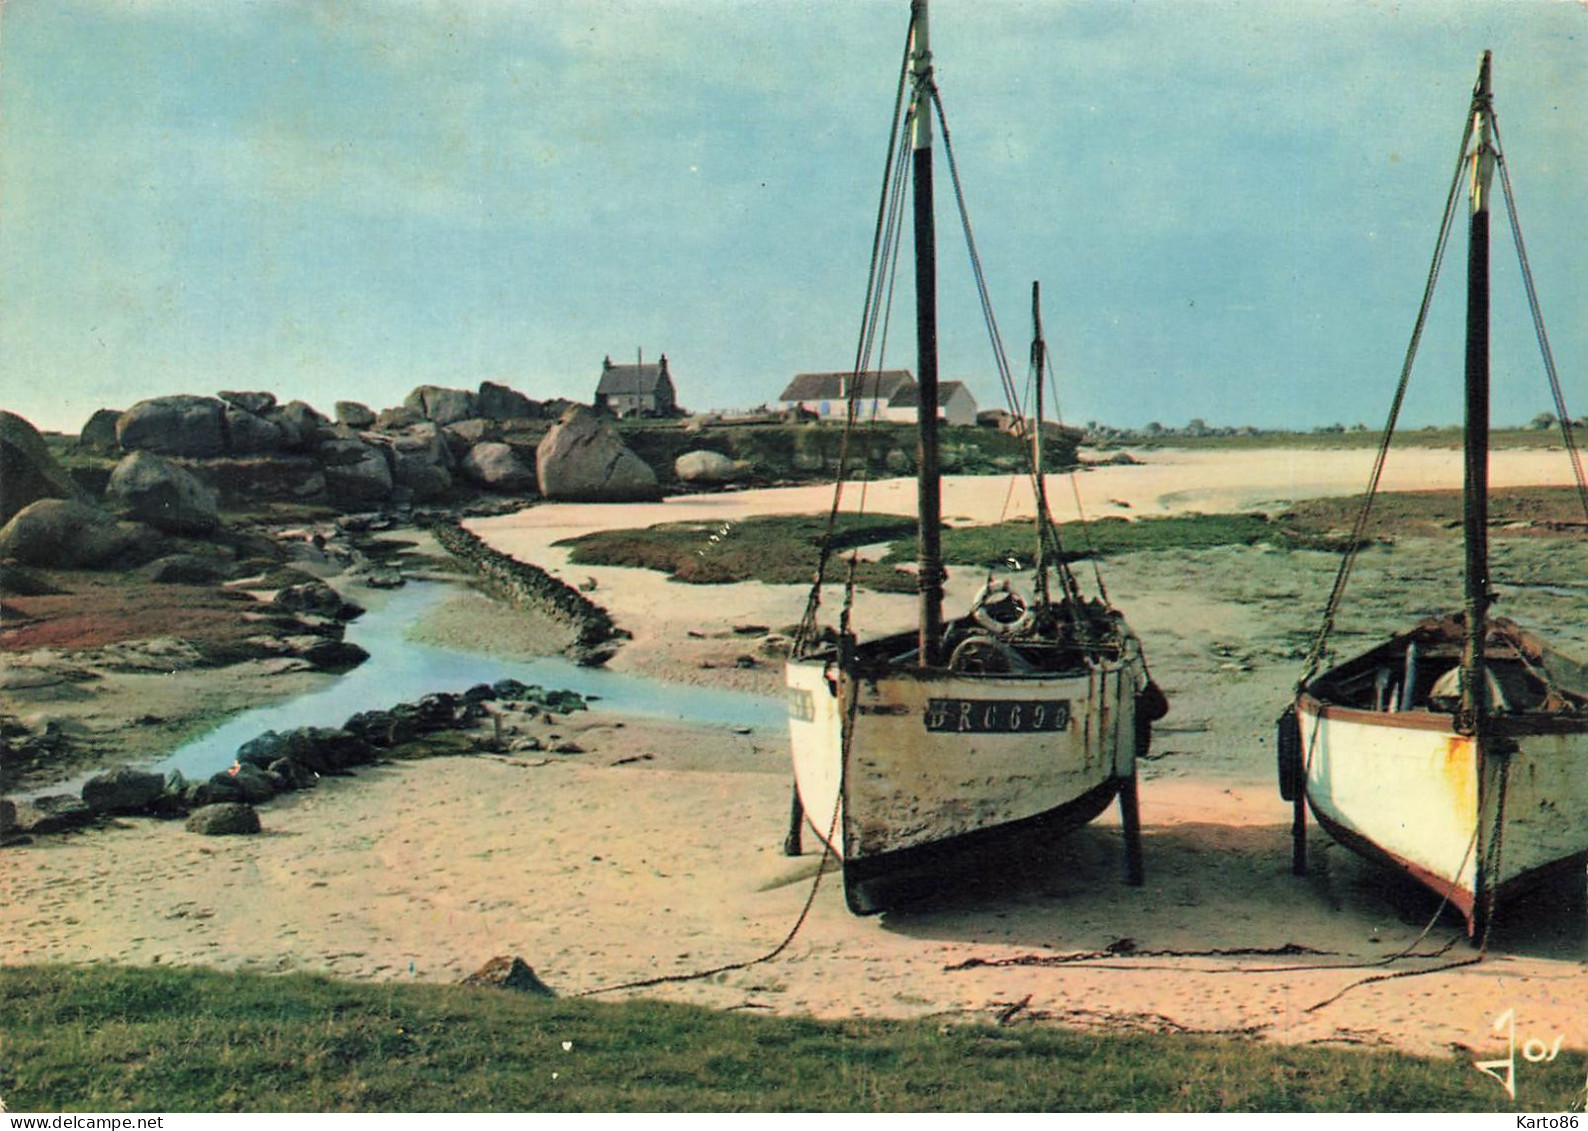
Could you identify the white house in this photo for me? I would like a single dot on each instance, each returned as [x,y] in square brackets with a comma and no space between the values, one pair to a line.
[827,394]
[955,405]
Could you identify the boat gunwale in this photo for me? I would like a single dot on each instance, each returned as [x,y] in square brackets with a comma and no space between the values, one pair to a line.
[1114,655]
[1519,725]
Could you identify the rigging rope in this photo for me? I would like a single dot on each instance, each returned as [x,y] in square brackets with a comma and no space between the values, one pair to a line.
[887,209]
[881,279]
[1000,357]
[1488,872]
[1358,531]
[887,233]
[1075,490]
[1533,307]
[1486,109]
[828,853]
[1046,527]
[1489,894]
[697,975]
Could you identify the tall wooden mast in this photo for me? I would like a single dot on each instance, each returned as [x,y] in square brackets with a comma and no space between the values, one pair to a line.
[1039,365]
[929,489]
[1474,682]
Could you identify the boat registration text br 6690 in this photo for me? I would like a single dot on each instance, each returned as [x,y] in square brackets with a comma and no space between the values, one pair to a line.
[997,716]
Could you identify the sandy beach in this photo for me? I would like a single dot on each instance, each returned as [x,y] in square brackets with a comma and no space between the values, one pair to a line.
[657,851]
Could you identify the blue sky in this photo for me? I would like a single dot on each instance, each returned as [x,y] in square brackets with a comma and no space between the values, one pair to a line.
[1231,205]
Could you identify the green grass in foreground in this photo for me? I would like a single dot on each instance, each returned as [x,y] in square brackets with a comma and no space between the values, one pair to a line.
[102,1038]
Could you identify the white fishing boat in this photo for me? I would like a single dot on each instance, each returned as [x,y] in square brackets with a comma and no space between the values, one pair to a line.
[1457,751]
[918,756]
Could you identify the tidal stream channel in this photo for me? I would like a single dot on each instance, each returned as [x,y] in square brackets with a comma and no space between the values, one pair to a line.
[401,670]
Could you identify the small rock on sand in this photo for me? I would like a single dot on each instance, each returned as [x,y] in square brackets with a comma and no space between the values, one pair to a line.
[122,790]
[507,973]
[228,818]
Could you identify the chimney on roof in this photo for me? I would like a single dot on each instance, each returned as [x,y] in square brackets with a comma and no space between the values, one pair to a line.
[664,363]
[606,363]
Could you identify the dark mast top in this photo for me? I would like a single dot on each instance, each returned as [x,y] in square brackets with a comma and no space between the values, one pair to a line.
[1474,683]
[929,489]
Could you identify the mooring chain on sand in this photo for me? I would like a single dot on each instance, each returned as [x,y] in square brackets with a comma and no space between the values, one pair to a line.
[1109,960]
[1491,861]
[1117,951]
[1473,961]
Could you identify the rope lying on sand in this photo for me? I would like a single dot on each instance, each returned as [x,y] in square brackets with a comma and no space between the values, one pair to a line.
[594,634]
[1126,948]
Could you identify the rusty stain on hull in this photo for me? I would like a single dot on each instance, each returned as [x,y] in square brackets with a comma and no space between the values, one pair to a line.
[1403,786]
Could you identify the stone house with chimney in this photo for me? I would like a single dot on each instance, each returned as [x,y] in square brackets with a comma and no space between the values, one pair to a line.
[636,390]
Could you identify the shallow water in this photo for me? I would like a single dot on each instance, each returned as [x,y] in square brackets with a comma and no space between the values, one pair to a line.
[401,670]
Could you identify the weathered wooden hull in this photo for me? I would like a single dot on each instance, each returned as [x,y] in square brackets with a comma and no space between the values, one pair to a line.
[1406,789]
[940,765]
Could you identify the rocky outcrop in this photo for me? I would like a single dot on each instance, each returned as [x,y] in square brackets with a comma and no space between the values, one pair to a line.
[313,596]
[233,424]
[324,750]
[443,406]
[299,426]
[184,569]
[24,747]
[246,434]
[256,403]
[99,433]
[334,655]
[226,818]
[274,763]
[168,497]
[122,790]
[354,414]
[463,435]
[356,473]
[18,582]
[421,462]
[62,534]
[708,468]
[499,402]
[28,472]
[180,425]
[582,459]
[397,417]
[496,466]
[244,782]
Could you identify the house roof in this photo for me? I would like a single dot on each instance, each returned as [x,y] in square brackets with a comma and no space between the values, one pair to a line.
[628,380]
[883,385]
[911,397]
